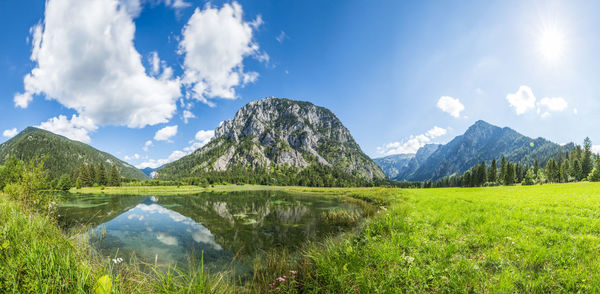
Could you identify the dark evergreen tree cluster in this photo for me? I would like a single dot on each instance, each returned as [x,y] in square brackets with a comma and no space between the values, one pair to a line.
[89,175]
[277,175]
[575,165]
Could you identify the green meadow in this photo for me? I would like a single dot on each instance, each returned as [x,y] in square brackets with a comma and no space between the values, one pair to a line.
[535,239]
[496,239]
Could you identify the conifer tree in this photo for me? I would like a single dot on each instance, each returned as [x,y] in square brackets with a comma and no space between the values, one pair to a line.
[502,169]
[115,177]
[101,178]
[586,158]
[493,172]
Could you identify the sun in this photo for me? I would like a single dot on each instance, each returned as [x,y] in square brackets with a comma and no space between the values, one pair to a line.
[552,44]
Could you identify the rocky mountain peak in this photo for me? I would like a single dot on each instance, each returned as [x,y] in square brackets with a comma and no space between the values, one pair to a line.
[280,131]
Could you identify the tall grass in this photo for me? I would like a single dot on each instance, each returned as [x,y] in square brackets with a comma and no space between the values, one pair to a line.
[35,257]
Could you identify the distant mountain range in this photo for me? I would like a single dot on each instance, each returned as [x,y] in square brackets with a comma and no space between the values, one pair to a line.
[63,155]
[276,133]
[151,172]
[481,142]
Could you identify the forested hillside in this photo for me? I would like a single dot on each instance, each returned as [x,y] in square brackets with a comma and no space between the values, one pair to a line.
[62,155]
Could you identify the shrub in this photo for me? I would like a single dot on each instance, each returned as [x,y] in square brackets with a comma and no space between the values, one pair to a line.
[594,175]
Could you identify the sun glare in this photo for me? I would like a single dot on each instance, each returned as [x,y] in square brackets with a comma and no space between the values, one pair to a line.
[552,44]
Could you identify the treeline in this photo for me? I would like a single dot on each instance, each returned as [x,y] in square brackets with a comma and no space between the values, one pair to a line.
[284,175]
[90,175]
[575,165]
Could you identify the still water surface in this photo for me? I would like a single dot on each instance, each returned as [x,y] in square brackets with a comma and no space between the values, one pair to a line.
[226,230]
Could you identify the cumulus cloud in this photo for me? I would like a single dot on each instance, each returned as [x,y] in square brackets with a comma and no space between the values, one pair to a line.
[134,7]
[134,156]
[147,145]
[154,163]
[187,115]
[450,105]
[412,144]
[522,101]
[77,128]
[9,133]
[552,104]
[165,133]
[202,138]
[214,44]
[86,60]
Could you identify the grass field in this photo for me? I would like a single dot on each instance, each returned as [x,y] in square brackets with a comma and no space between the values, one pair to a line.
[497,239]
[534,239]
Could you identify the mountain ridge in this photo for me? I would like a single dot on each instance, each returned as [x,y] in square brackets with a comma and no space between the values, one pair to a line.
[64,155]
[482,141]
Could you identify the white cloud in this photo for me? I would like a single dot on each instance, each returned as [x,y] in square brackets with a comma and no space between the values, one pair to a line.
[553,104]
[523,100]
[436,132]
[154,62]
[575,112]
[22,99]
[214,44]
[450,105]
[187,115]
[147,145]
[86,60]
[202,138]
[10,133]
[77,128]
[134,7]
[596,148]
[203,135]
[177,4]
[165,133]
[412,144]
[135,156]
[154,163]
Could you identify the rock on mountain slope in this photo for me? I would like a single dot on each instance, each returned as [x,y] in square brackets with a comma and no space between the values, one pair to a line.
[481,142]
[63,155]
[392,165]
[278,132]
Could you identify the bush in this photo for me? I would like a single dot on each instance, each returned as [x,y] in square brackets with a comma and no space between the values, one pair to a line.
[31,189]
[594,175]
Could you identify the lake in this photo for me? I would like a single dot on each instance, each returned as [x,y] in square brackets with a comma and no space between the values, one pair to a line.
[226,230]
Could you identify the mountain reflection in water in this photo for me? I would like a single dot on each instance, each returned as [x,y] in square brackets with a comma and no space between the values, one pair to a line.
[216,227]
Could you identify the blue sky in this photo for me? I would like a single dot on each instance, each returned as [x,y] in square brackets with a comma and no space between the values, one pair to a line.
[399,74]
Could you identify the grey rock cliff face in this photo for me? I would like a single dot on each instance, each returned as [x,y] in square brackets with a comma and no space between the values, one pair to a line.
[277,131]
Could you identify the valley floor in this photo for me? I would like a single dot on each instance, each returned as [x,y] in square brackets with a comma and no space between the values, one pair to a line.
[494,239]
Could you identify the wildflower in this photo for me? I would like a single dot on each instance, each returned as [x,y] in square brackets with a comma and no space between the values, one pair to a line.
[117,260]
[280,279]
[272,285]
[293,272]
